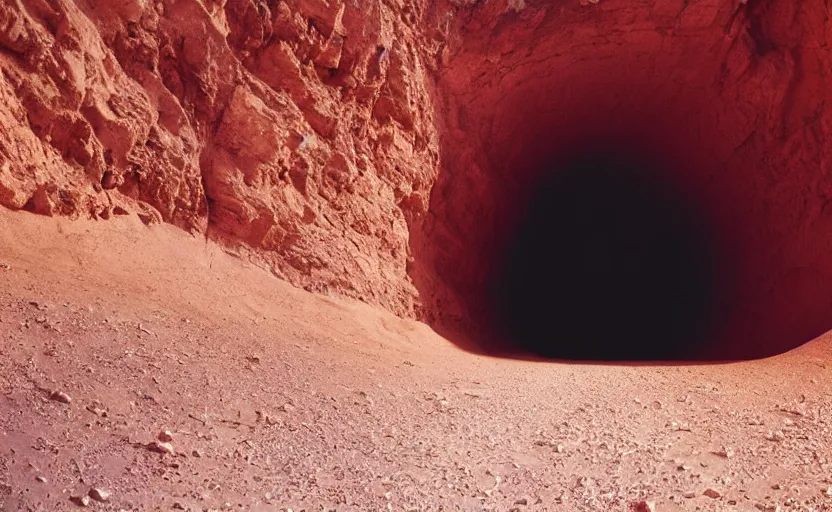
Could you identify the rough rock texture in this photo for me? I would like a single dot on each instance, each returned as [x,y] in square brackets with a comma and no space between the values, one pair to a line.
[737,91]
[297,128]
[310,131]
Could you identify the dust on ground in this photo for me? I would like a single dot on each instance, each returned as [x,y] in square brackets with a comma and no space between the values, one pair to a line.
[142,369]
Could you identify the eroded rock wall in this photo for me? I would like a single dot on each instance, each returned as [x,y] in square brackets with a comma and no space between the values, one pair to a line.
[301,129]
[737,92]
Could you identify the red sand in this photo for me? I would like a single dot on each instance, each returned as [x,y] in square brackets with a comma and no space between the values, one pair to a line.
[278,399]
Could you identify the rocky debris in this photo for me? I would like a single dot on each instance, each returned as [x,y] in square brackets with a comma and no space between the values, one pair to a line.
[712,493]
[81,501]
[60,396]
[642,506]
[98,494]
[725,452]
[98,409]
[161,447]
[775,436]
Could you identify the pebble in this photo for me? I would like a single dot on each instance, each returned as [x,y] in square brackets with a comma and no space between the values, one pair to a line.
[41,479]
[521,501]
[97,409]
[99,494]
[689,495]
[775,436]
[725,453]
[642,506]
[60,396]
[828,492]
[165,436]
[712,493]
[81,501]
[160,447]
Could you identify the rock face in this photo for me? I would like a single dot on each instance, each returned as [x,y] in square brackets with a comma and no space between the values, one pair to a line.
[385,150]
[301,129]
[733,95]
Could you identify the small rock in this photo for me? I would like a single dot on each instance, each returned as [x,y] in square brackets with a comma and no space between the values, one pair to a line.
[41,479]
[712,493]
[196,453]
[81,501]
[522,501]
[160,447]
[60,396]
[828,492]
[97,409]
[776,436]
[178,506]
[99,494]
[642,506]
[725,453]
[165,436]
[689,495]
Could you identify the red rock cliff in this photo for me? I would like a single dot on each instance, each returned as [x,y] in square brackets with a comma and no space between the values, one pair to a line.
[301,128]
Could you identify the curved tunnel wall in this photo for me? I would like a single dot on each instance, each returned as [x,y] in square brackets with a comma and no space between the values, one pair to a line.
[701,194]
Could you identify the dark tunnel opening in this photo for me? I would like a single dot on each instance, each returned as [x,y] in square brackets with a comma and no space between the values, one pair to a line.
[609,201]
[628,237]
[608,260]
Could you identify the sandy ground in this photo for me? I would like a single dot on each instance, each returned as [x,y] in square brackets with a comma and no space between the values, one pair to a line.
[277,399]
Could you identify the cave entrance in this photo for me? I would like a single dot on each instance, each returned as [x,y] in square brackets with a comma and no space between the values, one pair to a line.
[607,255]
[620,209]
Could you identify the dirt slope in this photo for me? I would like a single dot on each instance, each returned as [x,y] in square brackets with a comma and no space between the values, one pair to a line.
[278,399]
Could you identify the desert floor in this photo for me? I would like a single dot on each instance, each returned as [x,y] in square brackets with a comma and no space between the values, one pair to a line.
[277,399]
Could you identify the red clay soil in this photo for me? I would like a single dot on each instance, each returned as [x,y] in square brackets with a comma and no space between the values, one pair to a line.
[278,399]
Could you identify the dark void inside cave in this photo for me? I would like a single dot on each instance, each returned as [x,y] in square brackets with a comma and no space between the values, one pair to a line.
[607,261]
